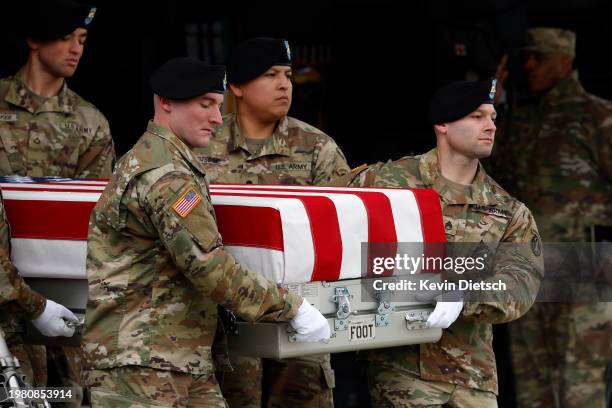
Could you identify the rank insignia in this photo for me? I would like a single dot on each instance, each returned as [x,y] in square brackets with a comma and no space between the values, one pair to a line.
[536,246]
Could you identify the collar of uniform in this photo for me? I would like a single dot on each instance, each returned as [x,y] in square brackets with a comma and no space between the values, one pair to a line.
[19,95]
[277,144]
[567,87]
[235,139]
[183,149]
[432,177]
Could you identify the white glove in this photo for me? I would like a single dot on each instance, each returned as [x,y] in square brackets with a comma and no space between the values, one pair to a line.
[446,311]
[310,324]
[51,321]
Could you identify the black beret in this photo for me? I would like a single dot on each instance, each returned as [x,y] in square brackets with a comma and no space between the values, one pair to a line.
[186,78]
[53,19]
[253,57]
[458,99]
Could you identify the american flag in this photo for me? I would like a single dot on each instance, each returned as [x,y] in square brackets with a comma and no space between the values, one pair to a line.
[186,203]
[290,234]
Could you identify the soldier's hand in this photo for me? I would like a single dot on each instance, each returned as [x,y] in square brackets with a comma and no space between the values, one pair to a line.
[52,321]
[447,310]
[310,324]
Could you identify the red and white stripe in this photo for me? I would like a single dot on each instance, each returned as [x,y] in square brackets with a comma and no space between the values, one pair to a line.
[329,238]
[49,225]
[290,234]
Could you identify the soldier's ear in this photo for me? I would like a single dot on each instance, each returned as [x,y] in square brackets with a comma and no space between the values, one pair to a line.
[567,62]
[441,128]
[236,90]
[165,104]
[33,45]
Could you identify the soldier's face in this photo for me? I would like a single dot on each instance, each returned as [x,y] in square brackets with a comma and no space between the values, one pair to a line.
[473,135]
[194,120]
[545,70]
[268,97]
[61,57]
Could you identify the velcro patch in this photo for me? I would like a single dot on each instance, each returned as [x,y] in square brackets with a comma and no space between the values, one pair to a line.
[8,117]
[491,210]
[291,166]
[186,203]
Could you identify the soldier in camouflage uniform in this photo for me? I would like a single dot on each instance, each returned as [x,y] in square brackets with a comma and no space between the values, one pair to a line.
[156,265]
[556,155]
[260,144]
[459,370]
[48,130]
[17,299]
[45,128]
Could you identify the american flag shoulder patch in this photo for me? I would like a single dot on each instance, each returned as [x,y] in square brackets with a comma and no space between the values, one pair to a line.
[186,203]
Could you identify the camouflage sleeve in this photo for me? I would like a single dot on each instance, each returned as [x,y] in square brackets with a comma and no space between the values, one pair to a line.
[97,161]
[329,163]
[370,176]
[603,149]
[14,292]
[5,233]
[195,246]
[519,264]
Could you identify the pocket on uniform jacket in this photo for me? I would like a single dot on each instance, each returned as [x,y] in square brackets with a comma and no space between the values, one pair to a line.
[199,222]
[64,142]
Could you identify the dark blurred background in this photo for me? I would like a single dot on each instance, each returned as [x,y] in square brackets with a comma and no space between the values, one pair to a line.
[364,71]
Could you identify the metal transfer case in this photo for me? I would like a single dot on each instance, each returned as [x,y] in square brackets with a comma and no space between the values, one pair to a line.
[356,323]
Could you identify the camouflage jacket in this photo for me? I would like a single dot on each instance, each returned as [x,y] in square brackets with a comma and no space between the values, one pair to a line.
[297,153]
[464,354]
[65,136]
[157,269]
[16,297]
[557,158]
